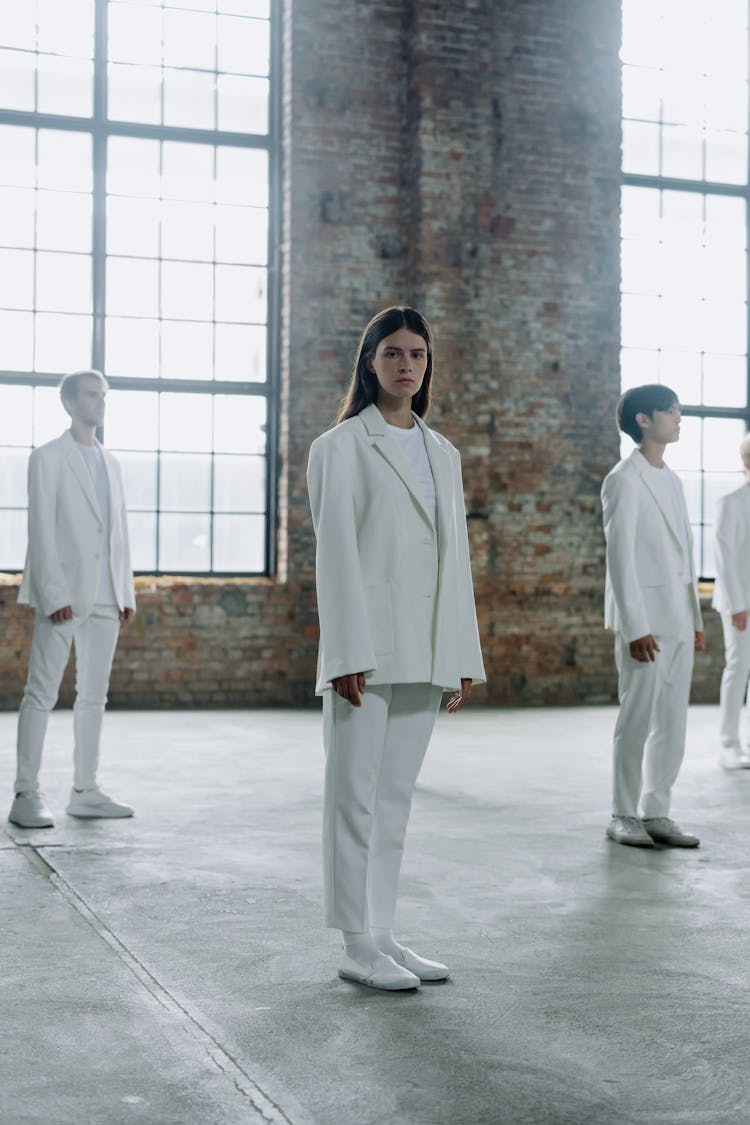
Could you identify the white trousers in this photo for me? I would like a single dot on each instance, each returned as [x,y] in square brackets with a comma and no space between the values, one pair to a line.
[734,680]
[95,639]
[373,756]
[649,741]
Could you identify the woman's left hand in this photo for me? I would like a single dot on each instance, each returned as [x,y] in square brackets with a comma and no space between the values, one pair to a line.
[457,700]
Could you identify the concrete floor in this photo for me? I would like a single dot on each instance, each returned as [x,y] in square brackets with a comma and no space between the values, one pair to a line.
[173,969]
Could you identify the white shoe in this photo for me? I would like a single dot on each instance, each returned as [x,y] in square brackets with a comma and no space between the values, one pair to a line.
[420,966]
[734,758]
[629,830]
[29,811]
[381,972]
[89,804]
[665,831]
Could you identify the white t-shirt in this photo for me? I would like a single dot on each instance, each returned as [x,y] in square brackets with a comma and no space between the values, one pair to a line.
[411,443]
[94,461]
[667,487]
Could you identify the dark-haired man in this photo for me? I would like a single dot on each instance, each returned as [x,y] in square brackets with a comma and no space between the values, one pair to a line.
[652,606]
[79,579]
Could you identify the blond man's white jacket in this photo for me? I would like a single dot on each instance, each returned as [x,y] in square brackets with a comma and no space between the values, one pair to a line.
[395,595]
[644,589]
[732,548]
[66,530]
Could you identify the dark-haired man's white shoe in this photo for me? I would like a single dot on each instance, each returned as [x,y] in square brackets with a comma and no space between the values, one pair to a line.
[664,831]
[629,830]
[380,972]
[92,804]
[29,811]
[420,966]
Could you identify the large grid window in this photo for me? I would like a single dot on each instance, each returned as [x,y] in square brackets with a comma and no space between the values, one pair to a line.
[137,236]
[685,202]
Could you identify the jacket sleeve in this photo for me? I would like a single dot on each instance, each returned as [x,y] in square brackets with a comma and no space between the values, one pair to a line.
[345,639]
[620,513]
[725,549]
[127,566]
[46,573]
[471,664]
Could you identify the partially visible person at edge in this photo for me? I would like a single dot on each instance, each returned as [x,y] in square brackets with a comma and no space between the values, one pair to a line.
[732,600]
[398,628]
[79,579]
[652,606]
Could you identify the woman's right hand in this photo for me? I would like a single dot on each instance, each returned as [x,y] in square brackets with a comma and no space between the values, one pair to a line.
[350,687]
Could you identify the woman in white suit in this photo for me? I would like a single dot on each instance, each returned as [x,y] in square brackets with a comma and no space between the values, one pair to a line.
[397,628]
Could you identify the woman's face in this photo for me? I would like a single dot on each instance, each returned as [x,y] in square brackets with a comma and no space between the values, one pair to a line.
[400,363]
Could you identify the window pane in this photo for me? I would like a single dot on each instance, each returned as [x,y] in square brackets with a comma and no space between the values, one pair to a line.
[243,104]
[65,86]
[134,93]
[641,213]
[188,171]
[239,424]
[638,366]
[721,439]
[242,235]
[641,267]
[18,166]
[681,152]
[132,287]
[142,534]
[241,294]
[13,539]
[139,479]
[133,226]
[50,419]
[63,342]
[239,484]
[185,423]
[640,148]
[240,352]
[134,34]
[185,482]
[63,221]
[16,415]
[132,347]
[724,380]
[726,157]
[242,176]
[716,485]
[189,99]
[63,282]
[133,167]
[259,8]
[19,26]
[16,80]
[17,279]
[184,542]
[244,45]
[190,39]
[186,350]
[187,290]
[682,372]
[67,28]
[13,472]
[64,160]
[239,543]
[188,231]
[132,420]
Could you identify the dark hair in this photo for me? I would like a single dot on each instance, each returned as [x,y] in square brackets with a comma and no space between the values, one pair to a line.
[69,383]
[642,400]
[363,388]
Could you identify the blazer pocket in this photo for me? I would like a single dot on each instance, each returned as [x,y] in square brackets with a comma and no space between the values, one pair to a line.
[380,617]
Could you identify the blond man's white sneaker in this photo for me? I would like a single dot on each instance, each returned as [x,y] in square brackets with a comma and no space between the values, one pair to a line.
[379,972]
[629,830]
[92,804]
[665,831]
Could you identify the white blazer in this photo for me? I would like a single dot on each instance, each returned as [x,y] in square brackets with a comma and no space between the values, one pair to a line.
[645,579]
[395,596]
[65,532]
[732,547]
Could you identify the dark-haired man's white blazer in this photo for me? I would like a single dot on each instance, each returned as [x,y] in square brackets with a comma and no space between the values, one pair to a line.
[650,588]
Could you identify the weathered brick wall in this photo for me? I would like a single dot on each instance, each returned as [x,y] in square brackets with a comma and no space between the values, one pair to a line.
[464,156]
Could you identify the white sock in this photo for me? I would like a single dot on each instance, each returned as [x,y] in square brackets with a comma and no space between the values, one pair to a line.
[360,947]
[385,941]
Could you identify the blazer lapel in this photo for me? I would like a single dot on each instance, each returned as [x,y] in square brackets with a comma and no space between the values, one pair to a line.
[442,474]
[377,432]
[80,472]
[637,460]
